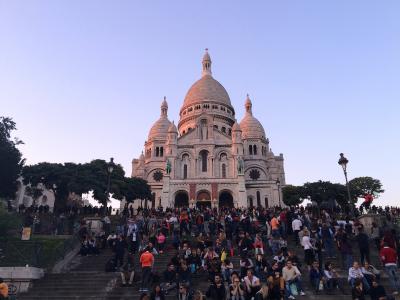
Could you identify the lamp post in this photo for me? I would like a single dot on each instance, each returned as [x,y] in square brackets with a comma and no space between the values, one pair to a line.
[278,183]
[110,169]
[343,161]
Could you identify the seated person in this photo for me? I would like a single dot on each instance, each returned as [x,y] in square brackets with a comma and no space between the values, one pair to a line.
[276,284]
[316,276]
[354,274]
[226,270]
[169,279]
[237,290]
[127,270]
[332,279]
[370,273]
[184,275]
[377,291]
[291,275]
[252,283]
[93,249]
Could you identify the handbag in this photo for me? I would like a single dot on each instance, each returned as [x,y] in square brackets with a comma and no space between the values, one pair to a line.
[293,289]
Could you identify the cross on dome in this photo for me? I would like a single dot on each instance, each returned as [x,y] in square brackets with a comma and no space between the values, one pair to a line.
[164,107]
[248,105]
[206,63]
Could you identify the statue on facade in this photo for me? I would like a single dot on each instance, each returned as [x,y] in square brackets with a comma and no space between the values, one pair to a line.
[168,168]
[240,165]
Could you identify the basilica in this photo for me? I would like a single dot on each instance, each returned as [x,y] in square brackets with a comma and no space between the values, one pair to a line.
[208,158]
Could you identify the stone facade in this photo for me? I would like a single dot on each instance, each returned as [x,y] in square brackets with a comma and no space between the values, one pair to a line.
[210,159]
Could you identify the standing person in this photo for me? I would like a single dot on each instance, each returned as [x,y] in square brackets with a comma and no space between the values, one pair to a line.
[216,290]
[346,251]
[327,235]
[389,259]
[296,227]
[363,244]
[275,226]
[146,262]
[375,236]
[119,248]
[308,249]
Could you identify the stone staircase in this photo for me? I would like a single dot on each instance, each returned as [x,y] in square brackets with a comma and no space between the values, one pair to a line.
[88,280]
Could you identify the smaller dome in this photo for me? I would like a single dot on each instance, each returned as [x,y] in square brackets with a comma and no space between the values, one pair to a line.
[172,128]
[141,158]
[251,127]
[159,130]
[236,127]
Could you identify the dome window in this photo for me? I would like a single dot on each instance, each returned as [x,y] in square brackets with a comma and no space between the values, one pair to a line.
[223,129]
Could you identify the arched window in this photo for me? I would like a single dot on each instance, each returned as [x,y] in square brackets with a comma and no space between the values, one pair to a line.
[255,149]
[223,129]
[185,169]
[157,151]
[223,170]
[250,150]
[258,199]
[204,157]
[161,151]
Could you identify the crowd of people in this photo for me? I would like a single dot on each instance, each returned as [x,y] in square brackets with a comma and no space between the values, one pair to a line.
[253,253]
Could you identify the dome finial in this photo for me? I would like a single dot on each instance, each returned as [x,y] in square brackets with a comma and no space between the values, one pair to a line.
[164,107]
[206,63]
[248,105]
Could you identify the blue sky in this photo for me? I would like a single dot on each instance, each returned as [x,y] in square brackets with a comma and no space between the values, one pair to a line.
[85,79]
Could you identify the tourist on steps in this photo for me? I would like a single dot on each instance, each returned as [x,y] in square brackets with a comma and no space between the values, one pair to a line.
[146,262]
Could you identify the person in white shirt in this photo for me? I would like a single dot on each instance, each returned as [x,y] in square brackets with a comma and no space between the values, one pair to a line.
[296,227]
[355,273]
[308,249]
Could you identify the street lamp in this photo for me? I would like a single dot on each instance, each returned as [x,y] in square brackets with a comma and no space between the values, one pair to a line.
[278,183]
[343,161]
[110,169]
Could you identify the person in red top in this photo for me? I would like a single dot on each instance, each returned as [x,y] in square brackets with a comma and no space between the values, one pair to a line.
[389,259]
[146,262]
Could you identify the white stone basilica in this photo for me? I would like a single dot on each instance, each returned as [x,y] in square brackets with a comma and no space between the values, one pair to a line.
[210,159]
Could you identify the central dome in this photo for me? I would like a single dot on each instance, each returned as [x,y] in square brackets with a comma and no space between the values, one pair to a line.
[206,89]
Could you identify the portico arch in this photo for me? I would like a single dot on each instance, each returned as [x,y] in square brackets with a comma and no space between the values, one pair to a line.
[225,199]
[181,199]
[203,199]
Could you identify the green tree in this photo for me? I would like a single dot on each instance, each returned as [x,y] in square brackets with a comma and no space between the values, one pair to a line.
[67,178]
[361,186]
[11,161]
[136,188]
[293,195]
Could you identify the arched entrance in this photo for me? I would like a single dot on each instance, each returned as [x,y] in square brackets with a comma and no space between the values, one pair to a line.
[181,199]
[225,199]
[203,199]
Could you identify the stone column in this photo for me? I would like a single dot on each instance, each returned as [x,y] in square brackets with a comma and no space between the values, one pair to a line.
[242,201]
[166,200]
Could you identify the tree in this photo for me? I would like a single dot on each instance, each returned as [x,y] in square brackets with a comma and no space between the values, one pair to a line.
[136,188]
[293,195]
[65,179]
[361,186]
[11,161]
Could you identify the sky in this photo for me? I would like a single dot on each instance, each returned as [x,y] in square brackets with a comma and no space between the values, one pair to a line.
[85,79]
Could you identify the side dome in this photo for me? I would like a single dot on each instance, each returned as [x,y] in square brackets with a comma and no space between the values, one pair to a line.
[251,127]
[206,89]
[159,130]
